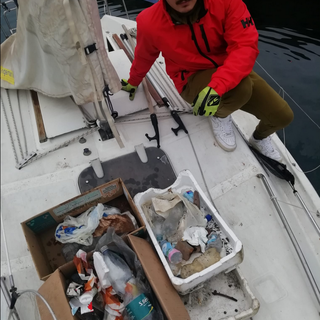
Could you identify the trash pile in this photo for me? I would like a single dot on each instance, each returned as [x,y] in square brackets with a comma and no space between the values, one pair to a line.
[189,238]
[83,232]
[111,284]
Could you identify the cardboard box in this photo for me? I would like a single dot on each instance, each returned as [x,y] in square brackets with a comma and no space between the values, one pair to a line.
[39,231]
[53,290]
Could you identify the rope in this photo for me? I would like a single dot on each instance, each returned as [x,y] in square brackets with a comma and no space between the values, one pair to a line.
[284,92]
[42,298]
[10,133]
[284,142]
[14,123]
[293,205]
[22,125]
[200,168]
[283,130]
[64,144]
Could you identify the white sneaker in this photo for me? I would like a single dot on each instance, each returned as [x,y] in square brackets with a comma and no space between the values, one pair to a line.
[223,132]
[265,147]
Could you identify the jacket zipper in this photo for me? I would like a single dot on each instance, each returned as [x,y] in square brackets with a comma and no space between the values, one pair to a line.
[204,37]
[198,48]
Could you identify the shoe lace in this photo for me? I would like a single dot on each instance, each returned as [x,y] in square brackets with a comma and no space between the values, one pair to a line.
[226,125]
[267,145]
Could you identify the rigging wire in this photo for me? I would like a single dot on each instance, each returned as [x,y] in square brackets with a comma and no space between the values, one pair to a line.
[282,92]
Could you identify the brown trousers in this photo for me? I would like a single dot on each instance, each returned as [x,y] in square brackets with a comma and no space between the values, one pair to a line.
[252,95]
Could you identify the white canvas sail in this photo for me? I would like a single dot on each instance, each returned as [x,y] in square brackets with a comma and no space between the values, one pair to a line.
[48,52]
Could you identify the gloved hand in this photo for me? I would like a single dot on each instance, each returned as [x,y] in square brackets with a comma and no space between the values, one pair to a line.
[206,102]
[126,86]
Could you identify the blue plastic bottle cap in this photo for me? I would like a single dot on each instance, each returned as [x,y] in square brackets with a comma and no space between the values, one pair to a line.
[208,217]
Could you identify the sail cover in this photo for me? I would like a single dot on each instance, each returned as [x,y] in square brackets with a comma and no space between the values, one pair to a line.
[58,50]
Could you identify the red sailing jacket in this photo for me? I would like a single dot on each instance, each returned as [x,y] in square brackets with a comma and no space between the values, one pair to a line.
[224,38]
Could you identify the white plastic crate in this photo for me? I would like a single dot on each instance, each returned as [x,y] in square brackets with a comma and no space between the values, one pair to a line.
[185,182]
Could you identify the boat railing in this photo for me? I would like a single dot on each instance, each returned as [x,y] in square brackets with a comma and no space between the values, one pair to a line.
[9,13]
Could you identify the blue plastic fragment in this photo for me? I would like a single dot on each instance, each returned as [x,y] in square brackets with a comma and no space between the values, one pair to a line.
[189,195]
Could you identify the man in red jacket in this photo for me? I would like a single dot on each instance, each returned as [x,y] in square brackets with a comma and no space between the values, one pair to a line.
[210,47]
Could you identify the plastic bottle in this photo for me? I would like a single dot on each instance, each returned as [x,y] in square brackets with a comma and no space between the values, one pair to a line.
[101,269]
[214,241]
[87,297]
[173,255]
[137,305]
[171,224]
[158,227]
[189,195]
[119,272]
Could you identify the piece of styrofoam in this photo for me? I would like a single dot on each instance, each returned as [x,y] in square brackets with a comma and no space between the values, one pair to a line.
[185,182]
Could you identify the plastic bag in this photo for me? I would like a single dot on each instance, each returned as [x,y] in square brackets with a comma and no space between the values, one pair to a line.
[122,223]
[117,245]
[81,228]
[192,216]
[108,210]
[196,236]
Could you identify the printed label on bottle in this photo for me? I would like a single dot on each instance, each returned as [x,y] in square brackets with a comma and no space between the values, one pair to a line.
[171,253]
[139,308]
[166,248]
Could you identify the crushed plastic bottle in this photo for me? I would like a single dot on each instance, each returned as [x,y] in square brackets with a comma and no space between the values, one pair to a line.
[158,228]
[173,255]
[171,224]
[189,195]
[88,296]
[101,269]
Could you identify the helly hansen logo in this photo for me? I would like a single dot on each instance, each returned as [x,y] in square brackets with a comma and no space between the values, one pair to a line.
[247,23]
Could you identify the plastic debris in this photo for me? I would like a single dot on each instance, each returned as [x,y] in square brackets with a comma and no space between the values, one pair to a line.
[196,199]
[88,296]
[214,241]
[122,223]
[185,249]
[118,294]
[137,304]
[163,204]
[196,236]
[206,260]
[173,255]
[101,269]
[119,273]
[74,290]
[81,228]
[113,306]
[189,195]
[83,268]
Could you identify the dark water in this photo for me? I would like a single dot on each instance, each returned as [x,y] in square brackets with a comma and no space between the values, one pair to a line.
[289,46]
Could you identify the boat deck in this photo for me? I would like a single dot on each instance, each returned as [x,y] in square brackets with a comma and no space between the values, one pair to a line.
[270,264]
